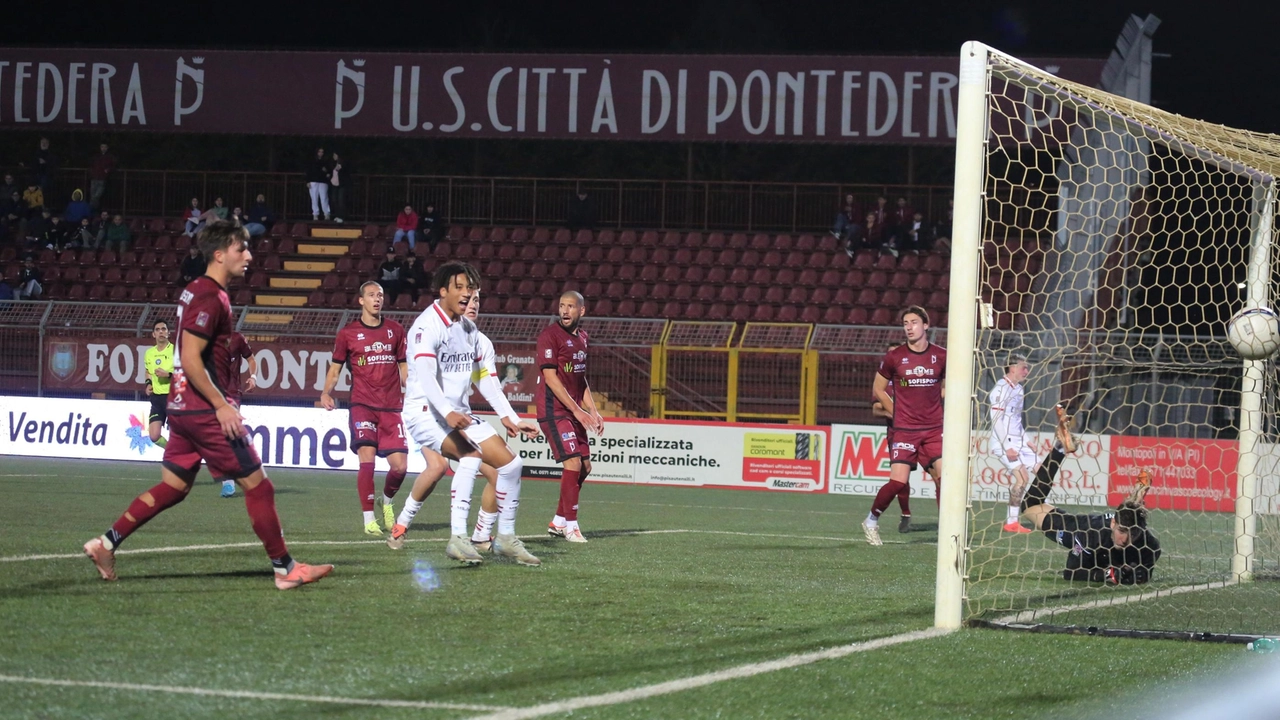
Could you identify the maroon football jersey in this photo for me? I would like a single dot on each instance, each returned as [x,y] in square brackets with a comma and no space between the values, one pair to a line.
[567,353]
[373,353]
[240,350]
[204,310]
[916,382]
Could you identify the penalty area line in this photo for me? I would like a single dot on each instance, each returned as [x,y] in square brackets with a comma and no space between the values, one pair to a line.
[697,681]
[251,695]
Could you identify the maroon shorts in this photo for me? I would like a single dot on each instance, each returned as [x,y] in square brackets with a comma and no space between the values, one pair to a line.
[567,438]
[382,429]
[193,438]
[912,447]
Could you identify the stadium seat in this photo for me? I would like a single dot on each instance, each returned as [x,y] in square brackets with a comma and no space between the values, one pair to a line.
[933,262]
[649,308]
[526,288]
[773,258]
[617,254]
[271,263]
[660,256]
[868,298]
[672,273]
[649,238]
[798,296]
[538,270]
[464,251]
[517,270]
[507,252]
[788,314]
[76,293]
[159,294]
[693,240]
[876,279]
[182,242]
[857,316]
[518,236]
[716,241]
[97,293]
[550,253]
[673,310]
[913,297]
[615,290]
[475,235]
[831,315]
[548,288]
[891,298]
[68,257]
[513,305]
[164,244]
[331,281]
[760,242]
[939,299]
[807,243]
[682,257]
[154,277]
[336,300]
[762,276]
[299,229]
[563,236]
[572,254]
[909,262]
[638,255]
[649,273]
[900,279]
[605,272]
[377,248]
[107,258]
[718,275]
[707,294]
[738,241]
[672,239]
[886,261]
[727,258]
[367,267]
[821,296]
[717,312]
[369,232]
[638,291]
[404,301]
[528,253]
[602,307]
[605,238]
[625,309]
[91,275]
[705,256]
[593,289]
[287,246]
[845,297]
[828,243]
[133,276]
[785,276]
[144,242]
[865,259]
[627,238]
[750,258]
[265,245]
[741,312]
[156,226]
[344,264]
[774,295]
[784,243]
[752,294]
[811,314]
[113,275]
[694,274]
[881,317]
[694,311]
[257,280]
[660,292]
[69,274]
[497,236]
[808,278]
[175,226]
[537,306]
[594,254]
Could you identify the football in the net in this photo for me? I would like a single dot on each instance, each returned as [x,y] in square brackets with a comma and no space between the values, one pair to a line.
[1254,333]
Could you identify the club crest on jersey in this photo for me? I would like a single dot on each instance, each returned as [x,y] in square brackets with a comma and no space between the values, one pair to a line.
[389,333]
[933,359]
[202,320]
[417,337]
[548,352]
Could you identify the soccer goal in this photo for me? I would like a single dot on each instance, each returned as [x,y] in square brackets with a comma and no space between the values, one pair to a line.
[1108,242]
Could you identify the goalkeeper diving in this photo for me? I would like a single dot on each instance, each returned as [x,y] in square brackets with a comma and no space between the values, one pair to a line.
[1115,547]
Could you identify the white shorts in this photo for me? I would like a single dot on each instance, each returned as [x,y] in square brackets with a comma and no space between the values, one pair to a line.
[1026,458]
[429,431]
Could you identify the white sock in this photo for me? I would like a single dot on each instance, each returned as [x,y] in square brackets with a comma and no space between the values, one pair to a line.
[1012,515]
[368,516]
[558,521]
[872,520]
[508,492]
[570,525]
[464,483]
[484,526]
[409,511]
[389,502]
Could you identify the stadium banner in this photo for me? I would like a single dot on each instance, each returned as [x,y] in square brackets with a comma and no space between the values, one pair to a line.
[294,371]
[1186,473]
[649,452]
[735,98]
[860,466]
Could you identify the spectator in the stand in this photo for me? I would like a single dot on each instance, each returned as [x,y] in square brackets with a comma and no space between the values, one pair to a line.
[318,184]
[100,169]
[219,211]
[582,211]
[431,227]
[882,212]
[9,187]
[77,209]
[942,228]
[84,234]
[255,229]
[414,278]
[6,290]
[98,229]
[118,234]
[33,196]
[193,265]
[844,220]
[406,227]
[38,226]
[390,275]
[43,165]
[855,238]
[873,232]
[339,181]
[58,234]
[191,218]
[261,213]
[899,223]
[917,237]
[13,217]
[29,280]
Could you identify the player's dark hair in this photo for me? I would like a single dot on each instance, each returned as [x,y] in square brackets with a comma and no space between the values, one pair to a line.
[450,270]
[914,310]
[220,235]
[1132,518]
[366,284]
[165,323]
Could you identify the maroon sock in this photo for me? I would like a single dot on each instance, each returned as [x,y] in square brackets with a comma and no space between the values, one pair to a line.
[904,500]
[885,496]
[364,486]
[261,504]
[139,513]
[391,484]
[569,486]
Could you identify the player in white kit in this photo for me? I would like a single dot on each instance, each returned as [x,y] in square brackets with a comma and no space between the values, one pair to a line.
[1009,438]
[444,351]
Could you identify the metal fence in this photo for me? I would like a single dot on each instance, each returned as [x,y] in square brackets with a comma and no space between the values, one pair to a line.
[647,368]
[660,204]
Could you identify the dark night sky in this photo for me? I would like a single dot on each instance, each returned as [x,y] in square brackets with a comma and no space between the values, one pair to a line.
[1222,66]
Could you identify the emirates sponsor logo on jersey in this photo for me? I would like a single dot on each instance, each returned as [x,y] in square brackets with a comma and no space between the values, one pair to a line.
[451,362]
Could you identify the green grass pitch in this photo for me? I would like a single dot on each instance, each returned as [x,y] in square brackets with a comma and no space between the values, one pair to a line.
[746,578]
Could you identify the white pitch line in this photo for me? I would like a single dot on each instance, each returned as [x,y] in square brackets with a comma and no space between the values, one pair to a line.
[251,695]
[696,681]
[719,507]
[232,546]
[1030,615]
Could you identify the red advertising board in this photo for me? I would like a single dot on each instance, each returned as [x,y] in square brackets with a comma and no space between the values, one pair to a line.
[1186,473]
[763,98]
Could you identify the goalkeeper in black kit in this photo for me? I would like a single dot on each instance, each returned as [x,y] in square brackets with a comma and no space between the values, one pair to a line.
[1116,547]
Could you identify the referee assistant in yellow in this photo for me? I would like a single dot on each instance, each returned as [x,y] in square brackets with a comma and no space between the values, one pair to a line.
[159,362]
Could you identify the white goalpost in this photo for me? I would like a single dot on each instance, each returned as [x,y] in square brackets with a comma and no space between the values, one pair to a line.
[1108,242]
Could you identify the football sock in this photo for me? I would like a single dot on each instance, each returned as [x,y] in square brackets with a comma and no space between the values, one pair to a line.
[558,521]
[364,486]
[409,511]
[570,525]
[904,500]
[507,490]
[872,519]
[261,504]
[1042,483]
[484,526]
[391,485]
[139,513]
[162,441]
[886,495]
[282,565]
[569,488]
[1012,515]
[464,482]
[368,517]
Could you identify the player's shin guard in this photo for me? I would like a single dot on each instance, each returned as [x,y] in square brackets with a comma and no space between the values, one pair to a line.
[886,495]
[261,504]
[570,487]
[1043,481]
[508,491]
[904,500]
[464,481]
[364,486]
[391,484]
[140,512]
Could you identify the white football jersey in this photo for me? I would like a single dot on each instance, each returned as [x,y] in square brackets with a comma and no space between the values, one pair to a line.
[486,359]
[1006,416]
[456,349]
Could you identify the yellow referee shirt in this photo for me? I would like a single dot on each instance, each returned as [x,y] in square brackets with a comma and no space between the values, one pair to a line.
[157,359]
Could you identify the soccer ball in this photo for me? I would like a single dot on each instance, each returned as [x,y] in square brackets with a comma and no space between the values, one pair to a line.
[1254,333]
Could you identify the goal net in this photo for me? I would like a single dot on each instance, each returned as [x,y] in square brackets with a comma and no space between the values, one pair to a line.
[1108,243]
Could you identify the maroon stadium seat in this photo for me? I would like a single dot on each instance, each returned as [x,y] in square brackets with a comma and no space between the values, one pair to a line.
[909,261]
[164,244]
[808,277]
[845,297]
[798,296]
[857,316]
[881,316]
[938,299]
[738,241]
[97,293]
[615,290]
[336,300]
[649,239]
[344,264]
[741,312]
[718,275]
[517,270]
[649,273]
[91,275]
[727,258]
[886,261]
[518,236]
[682,257]
[156,226]
[785,276]
[707,293]
[784,243]
[787,314]
[672,239]
[548,288]
[705,256]
[538,270]
[865,259]
[154,277]
[729,294]
[602,307]
[625,308]
[370,231]
[830,278]
[113,275]
[890,298]
[69,274]
[300,229]
[513,305]
[529,253]
[673,310]
[694,274]
[933,263]
[404,301]
[316,299]
[694,311]
[876,279]
[182,242]
[160,295]
[550,253]
[76,293]
[605,272]
[672,273]
[526,288]
[693,240]
[617,254]
[593,289]
[507,252]
[751,258]
[606,238]
[367,267]
[133,276]
[572,254]
[331,281]
[68,257]
[868,298]
[811,314]
[807,243]
[593,255]
[716,241]
[833,315]
[821,296]
[717,312]
[660,292]
[914,297]
[900,280]
[774,294]
[562,237]
[287,246]
[537,306]
[761,242]
[649,309]
[761,276]
[752,294]
[638,291]
[682,292]
[464,251]
[773,258]
[627,238]
[638,255]
[829,244]
[107,258]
